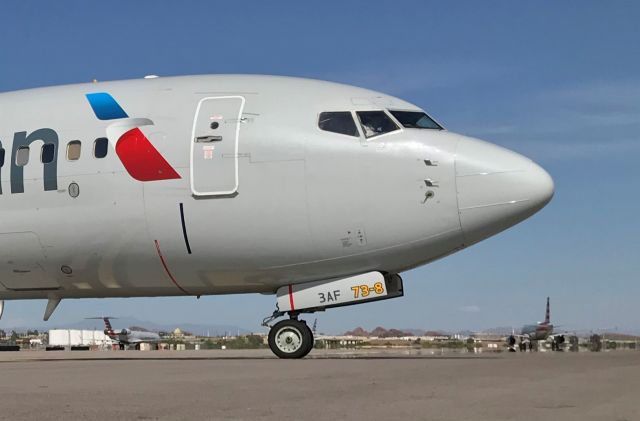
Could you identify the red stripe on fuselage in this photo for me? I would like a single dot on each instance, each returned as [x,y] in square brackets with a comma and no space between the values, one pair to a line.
[166,269]
[141,159]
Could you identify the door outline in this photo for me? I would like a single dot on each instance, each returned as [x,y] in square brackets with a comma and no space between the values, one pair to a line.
[237,136]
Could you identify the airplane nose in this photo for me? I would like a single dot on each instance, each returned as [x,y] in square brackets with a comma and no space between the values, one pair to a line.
[497,188]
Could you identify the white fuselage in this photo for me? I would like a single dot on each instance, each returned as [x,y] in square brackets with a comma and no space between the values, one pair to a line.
[264,198]
[128,337]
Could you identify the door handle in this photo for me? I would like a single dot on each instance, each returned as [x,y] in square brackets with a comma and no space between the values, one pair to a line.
[208,139]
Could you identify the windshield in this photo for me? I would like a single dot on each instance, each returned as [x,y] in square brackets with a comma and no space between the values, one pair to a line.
[338,122]
[375,123]
[415,120]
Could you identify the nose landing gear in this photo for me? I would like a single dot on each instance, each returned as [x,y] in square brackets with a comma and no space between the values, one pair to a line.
[291,338]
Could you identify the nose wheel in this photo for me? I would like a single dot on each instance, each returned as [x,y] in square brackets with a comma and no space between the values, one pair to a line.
[290,339]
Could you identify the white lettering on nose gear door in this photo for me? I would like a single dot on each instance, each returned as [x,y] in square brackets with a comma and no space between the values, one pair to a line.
[357,289]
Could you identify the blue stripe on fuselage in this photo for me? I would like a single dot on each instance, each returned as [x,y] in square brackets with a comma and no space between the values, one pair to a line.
[105,107]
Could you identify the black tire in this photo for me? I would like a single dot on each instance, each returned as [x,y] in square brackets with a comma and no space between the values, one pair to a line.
[290,339]
[311,343]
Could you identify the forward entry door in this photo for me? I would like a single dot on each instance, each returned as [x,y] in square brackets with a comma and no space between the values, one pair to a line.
[214,146]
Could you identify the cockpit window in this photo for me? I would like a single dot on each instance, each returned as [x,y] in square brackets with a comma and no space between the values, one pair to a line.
[415,120]
[375,123]
[338,122]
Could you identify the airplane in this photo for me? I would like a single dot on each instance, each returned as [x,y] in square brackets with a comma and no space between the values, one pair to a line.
[317,193]
[541,331]
[127,337]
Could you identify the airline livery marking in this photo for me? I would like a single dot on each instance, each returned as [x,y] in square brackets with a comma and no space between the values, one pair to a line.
[138,155]
[105,106]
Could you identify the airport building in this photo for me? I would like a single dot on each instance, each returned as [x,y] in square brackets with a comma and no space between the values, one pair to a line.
[77,337]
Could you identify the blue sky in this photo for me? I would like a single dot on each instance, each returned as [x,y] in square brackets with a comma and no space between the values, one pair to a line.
[556,81]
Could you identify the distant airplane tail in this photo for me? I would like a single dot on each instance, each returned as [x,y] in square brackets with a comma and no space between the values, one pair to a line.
[108,330]
[547,316]
[107,326]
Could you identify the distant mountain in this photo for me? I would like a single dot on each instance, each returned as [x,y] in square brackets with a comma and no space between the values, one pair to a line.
[379,332]
[435,333]
[415,332]
[356,332]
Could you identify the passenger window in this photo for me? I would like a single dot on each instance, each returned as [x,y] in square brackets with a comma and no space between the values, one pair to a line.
[22,156]
[415,120]
[375,123]
[338,122]
[100,147]
[47,153]
[73,150]
[1,157]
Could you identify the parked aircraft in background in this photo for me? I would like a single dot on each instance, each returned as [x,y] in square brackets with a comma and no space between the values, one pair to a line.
[127,337]
[317,192]
[541,331]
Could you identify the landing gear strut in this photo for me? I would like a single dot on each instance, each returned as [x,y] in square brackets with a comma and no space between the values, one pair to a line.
[291,338]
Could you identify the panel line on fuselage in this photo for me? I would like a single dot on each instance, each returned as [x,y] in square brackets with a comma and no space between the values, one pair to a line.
[184,229]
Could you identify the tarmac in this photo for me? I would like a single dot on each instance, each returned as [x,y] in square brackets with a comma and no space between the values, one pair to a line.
[380,385]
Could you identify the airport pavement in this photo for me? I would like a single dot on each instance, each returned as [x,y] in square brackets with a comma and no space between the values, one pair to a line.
[250,385]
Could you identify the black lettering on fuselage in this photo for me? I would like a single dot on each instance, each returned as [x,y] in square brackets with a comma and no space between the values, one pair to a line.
[50,170]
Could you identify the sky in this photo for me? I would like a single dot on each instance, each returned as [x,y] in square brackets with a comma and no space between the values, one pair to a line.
[556,81]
